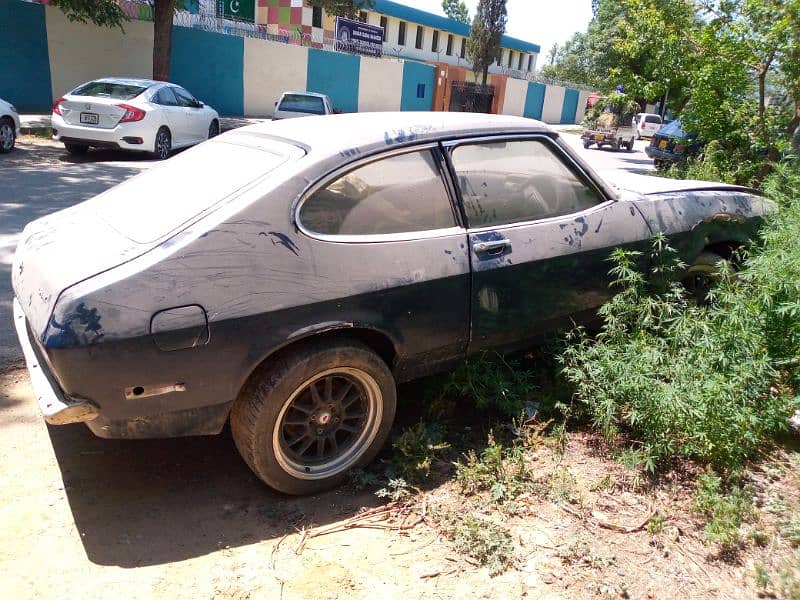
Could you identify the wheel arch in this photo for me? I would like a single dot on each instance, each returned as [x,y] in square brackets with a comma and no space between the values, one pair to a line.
[378,341]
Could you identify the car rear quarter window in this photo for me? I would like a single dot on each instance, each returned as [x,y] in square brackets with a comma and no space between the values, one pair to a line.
[312,105]
[107,89]
[399,194]
[512,181]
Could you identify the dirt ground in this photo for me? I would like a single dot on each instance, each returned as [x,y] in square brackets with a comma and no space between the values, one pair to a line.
[186,519]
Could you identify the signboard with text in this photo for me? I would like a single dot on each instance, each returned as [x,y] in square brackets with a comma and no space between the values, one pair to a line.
[238,10]
[358,37]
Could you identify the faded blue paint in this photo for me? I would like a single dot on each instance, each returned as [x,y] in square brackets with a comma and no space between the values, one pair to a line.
[336,75]
[414,75]
[211,66]
[534,100]
[569,106]
[24,59]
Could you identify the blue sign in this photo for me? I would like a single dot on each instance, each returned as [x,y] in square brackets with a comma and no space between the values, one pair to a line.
[357,37]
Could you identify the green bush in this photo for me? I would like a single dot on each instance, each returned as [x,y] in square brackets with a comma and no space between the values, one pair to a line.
[415,450]
[700,381]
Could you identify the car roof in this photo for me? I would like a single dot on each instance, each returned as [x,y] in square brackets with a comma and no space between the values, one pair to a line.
[129,81]
[344,133]
[315,94]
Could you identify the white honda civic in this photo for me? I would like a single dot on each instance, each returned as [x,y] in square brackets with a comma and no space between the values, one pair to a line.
[131,114]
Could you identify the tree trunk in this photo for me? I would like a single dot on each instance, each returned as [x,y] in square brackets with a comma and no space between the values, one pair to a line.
[162,38]
[485,74]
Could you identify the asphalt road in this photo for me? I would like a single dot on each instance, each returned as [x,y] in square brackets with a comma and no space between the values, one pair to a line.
[39,177]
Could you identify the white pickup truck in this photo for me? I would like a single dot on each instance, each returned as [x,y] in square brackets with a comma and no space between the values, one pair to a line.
[302,104]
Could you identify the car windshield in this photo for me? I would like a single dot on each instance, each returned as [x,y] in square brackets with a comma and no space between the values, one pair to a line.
[672,129]
[108,89]
[155,203]
[301,103]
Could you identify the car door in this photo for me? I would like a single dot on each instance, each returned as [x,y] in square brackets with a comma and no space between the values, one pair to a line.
[539,232]
[195,119]
[171,111]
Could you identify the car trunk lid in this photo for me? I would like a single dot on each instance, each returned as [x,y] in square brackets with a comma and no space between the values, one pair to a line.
[88,111]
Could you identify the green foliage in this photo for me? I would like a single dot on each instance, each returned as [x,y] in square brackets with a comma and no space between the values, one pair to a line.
[456,10]
[726,508]
[491,544]
[620,105]
[396,490]
[492,383]
[685,379]
[500,471]
[488,27]
[103,13]
[415,449]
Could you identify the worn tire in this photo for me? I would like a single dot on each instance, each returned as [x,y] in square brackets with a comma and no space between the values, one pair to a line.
[265,414]
[76,149]
[586,143]
[8,135]
[213,129]
[703,273]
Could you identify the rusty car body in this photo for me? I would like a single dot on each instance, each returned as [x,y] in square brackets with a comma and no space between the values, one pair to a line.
[286,275]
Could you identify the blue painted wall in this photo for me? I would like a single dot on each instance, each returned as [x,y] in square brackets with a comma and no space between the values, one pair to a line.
[414,74]
[24,60]
[569,106]
[534,100]
[334,74]
[210,66]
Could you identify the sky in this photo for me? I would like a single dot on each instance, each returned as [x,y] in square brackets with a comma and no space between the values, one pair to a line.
[541,22]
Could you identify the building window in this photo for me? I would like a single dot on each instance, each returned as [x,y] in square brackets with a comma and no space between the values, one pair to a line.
[316,16]
[384,24]
[418,41]
[420,90]
[530,62]
[510,57]
[449,44]
[435,42]
[401,34]
[362,16]
[463,47]
[519,62]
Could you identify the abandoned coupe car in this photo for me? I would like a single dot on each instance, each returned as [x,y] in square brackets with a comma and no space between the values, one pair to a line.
[286,275]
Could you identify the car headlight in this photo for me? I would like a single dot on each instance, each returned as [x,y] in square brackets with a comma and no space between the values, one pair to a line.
[12,108]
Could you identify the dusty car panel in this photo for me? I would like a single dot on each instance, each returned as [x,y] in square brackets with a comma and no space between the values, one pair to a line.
[167,328]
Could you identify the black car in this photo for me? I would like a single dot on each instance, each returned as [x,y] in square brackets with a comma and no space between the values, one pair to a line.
[672,144]
[285,276]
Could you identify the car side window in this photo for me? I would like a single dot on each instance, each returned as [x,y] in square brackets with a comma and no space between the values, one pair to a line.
[399,194]
[165,97]
[521,180]
[184,98]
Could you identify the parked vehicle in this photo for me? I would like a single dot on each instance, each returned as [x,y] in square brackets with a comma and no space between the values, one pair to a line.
[672,144]
[611,129]
[302,104]
[646,124]
[9,126]
[131,114]
[337,256]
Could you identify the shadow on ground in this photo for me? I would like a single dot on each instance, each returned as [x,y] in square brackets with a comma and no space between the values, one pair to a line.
[149,502]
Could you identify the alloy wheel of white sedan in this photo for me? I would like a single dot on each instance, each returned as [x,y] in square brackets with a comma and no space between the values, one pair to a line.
[132,114]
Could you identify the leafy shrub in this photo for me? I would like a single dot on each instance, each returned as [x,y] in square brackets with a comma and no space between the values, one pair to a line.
[489,543]
[726,509]
[492,383]
[683,379]
[415,449]
[500,471]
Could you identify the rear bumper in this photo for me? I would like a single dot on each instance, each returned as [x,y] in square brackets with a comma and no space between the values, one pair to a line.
[55,407]
[104,138]
[656,154]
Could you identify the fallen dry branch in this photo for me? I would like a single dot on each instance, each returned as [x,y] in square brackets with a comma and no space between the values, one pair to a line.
[621,528]
[374,518]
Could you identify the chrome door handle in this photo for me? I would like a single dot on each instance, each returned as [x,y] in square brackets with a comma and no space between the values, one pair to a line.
[492,247]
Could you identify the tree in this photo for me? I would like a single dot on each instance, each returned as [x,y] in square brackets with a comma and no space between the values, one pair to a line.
[552,55]
[107,13]
[342,8]
[456,10]
[488,27]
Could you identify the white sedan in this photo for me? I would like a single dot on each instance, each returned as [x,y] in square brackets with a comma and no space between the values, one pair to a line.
[9,126]
[131,114]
